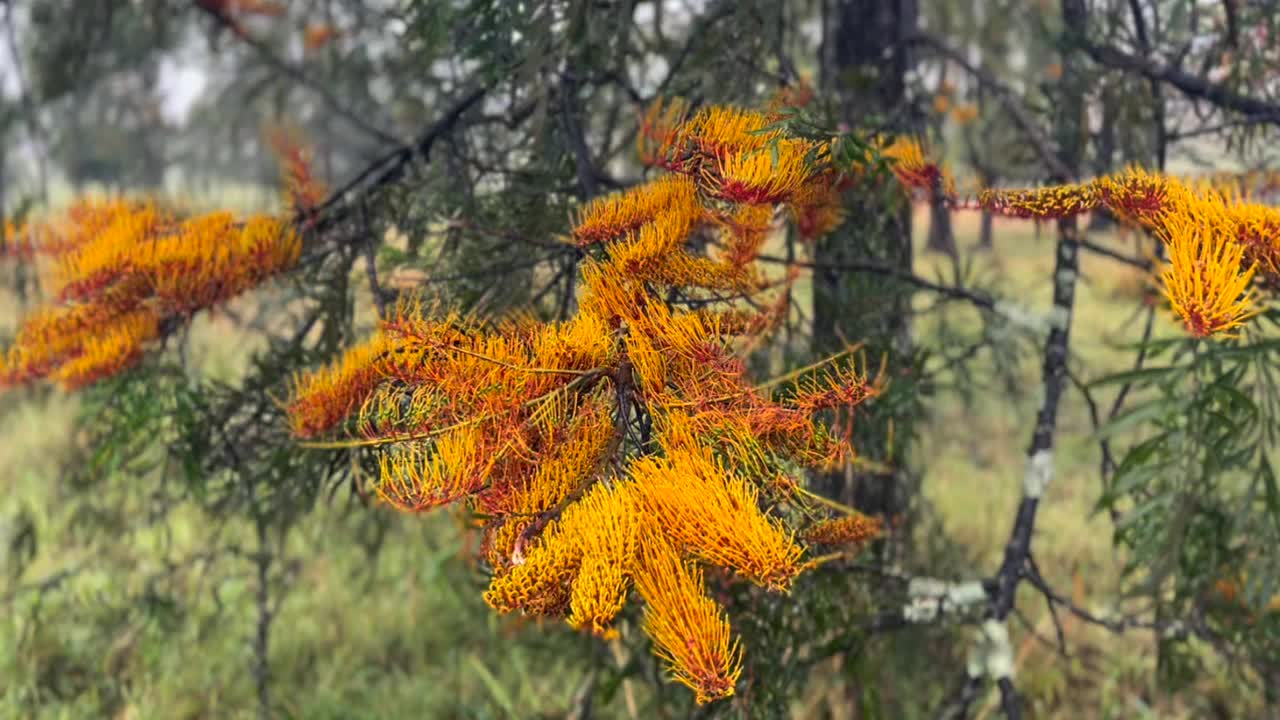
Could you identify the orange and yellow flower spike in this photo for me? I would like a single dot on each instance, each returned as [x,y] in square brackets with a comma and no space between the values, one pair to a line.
[539,584]
[1206,282]
[766,175]
[1054,202]
[688,629]
[856,529]
[608,533]
[716,515]
[614,216]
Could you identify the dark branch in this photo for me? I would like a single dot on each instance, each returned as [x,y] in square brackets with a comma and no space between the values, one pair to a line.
[1193,86]
[1040,142]
[388,168]
[980,299]
[1114,255]
[297,75]
[962,699]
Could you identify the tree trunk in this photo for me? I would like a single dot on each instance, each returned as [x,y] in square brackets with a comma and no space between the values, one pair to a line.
[4,146]
[985,240]
[1099,221]
[941,238]
[865,71]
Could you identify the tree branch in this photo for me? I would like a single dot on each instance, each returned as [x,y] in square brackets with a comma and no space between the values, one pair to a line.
[1193,86]
[974,297]
[297,75]
[389,167]
[1040,142]
[1093,247]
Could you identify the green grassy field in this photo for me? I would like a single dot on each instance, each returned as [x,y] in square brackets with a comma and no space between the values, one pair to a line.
[406,634]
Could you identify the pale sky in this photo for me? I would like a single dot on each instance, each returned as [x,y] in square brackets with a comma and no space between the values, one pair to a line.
[181,81]
[180,85]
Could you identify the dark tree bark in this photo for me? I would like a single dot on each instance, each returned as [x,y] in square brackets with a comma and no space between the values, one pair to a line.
[1106,150]
[941,237]
[988,176]
[3,181]
[985,239]
[864,67]
[1069,123]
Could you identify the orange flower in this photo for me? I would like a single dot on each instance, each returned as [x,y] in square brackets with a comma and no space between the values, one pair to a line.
[616,215]
[1205,282]
[964,113]
[532,425]
[110,254]
[608,533]
[124,270]
[318,35]
[841,386]
[109,350]
[817,209]
[912,168]
[849,530]
[659,137]
[540,583]
[415,478]
[1257,229]
[1135,193]
[716,515]
[719,131]
[764,175]
[687,628]
[303,191]
[16,240]
[324,398]
[1058,201]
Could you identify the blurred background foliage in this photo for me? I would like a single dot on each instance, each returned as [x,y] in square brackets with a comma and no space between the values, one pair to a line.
[166,551]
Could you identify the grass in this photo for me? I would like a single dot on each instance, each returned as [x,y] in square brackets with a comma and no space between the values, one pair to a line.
[404,633]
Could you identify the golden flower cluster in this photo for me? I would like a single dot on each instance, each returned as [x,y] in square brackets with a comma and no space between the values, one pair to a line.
[848,530]
[303,192]
[1218,241]
[123,272]
[741,157]
[916,171]
[1050,202]
[627,447]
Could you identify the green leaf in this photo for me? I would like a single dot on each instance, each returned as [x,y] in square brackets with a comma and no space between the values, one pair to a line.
[1152,410]
[1139,376]
[1135,479]
[1140,511]
[1243,351]
[1272,495]
[492,684]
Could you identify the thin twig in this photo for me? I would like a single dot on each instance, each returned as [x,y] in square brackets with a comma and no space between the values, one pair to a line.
[371,265]
[390,167]
[1040,141]
[297,75]
[977,298]
[1193,86]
